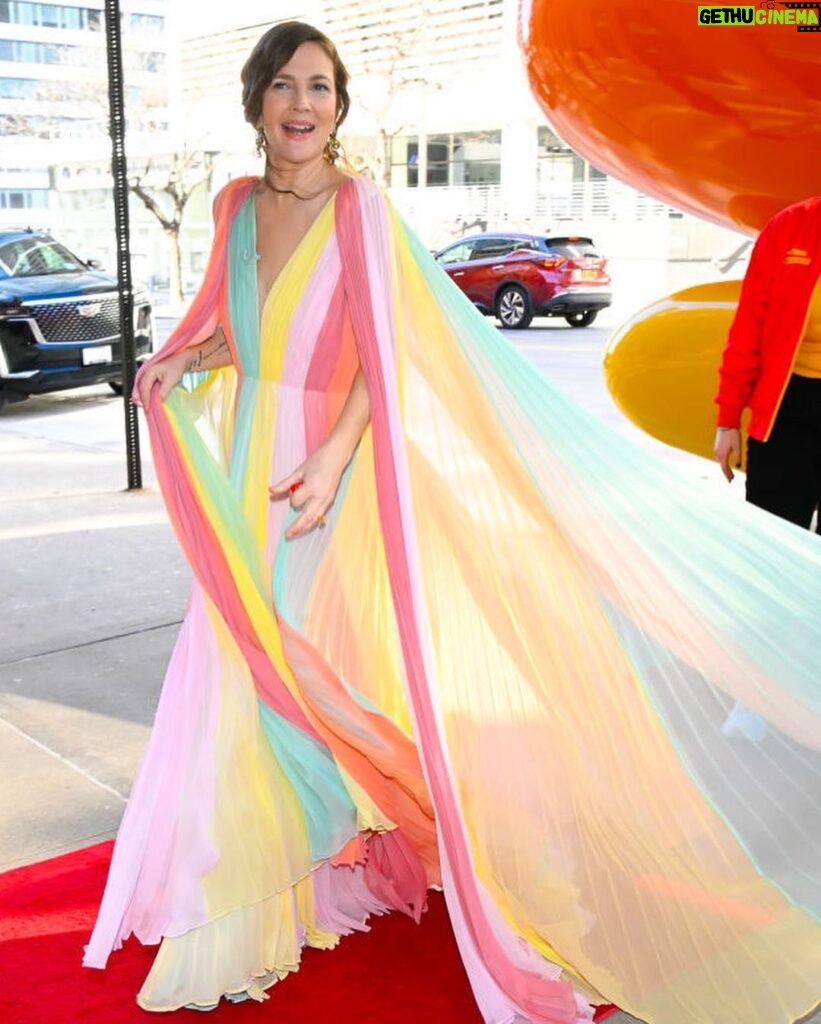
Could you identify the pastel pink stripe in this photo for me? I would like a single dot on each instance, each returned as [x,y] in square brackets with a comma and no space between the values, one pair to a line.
[310,313]
[295,426]
[342,900]
[321,370]
[361,222]
[159,858]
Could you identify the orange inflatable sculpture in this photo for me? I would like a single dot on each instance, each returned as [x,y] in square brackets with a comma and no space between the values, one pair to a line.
[722,120]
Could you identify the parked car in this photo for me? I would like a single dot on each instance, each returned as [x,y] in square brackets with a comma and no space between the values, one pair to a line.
[517,276]
[60,320]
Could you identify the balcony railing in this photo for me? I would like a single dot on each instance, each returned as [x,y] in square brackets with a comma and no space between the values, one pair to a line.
[442,214]
[605,199]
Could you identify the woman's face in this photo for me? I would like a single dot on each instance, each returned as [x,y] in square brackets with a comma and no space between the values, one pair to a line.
[299,107]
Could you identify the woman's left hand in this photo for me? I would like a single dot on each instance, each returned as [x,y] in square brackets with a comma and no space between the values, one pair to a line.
[311,488]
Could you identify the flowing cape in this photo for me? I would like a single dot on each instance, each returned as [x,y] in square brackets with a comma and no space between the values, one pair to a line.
[525,660]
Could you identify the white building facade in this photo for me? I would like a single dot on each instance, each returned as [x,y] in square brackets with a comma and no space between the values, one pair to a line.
[55,154]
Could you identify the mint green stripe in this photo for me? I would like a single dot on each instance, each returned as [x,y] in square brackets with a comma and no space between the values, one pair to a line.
[330,814]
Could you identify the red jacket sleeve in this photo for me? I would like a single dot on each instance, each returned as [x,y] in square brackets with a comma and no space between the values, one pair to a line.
[741,358]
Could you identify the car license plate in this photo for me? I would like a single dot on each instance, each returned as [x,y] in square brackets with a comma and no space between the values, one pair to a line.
[99,354]
[588,274]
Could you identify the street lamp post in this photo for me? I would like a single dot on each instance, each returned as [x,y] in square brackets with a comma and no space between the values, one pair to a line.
[116,103]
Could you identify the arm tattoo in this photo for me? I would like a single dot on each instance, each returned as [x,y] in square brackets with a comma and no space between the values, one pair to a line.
[200,357]
[194,363]
[220,345]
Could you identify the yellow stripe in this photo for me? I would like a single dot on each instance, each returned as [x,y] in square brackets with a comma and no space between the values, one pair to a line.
[258,609]
[287,291]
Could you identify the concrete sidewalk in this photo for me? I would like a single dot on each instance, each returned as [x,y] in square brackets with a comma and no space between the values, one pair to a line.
[94,588]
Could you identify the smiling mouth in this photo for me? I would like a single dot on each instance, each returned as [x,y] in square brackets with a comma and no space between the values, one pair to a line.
[298,129]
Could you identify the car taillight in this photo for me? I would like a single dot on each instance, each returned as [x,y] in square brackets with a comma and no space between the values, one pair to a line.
[549,262]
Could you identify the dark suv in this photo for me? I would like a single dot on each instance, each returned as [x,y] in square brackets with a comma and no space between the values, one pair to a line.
[518,277]
[59,319]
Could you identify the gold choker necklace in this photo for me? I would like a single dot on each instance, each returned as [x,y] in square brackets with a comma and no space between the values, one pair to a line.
[290,191]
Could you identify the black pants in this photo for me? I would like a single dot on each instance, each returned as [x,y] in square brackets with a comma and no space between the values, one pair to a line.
[784,472]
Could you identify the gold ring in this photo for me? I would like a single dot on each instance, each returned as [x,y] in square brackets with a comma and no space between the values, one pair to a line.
[320,520]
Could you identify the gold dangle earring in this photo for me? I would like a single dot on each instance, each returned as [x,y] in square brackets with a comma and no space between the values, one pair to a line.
[333,148]
[260,140]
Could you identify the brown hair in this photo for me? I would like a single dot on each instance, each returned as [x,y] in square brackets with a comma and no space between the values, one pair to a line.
[272,52]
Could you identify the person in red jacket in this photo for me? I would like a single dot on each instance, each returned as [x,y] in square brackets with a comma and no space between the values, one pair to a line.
[772,365]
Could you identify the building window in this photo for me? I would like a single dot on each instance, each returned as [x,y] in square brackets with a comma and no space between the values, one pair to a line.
[458,158]
[19,50]
[146,23]
[23,198]
[405,161]
[572,187]
[438,160]
[465,158]
[152,61]
[558,165]
[37,126]
[21,12]
[19,88]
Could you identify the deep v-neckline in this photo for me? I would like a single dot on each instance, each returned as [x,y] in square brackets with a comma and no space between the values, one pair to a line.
[274,286]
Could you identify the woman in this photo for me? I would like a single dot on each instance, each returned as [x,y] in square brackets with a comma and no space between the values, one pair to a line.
[445,630]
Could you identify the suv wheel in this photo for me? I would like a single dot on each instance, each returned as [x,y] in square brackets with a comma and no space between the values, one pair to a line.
[513,307]
[117,385]
[583,319]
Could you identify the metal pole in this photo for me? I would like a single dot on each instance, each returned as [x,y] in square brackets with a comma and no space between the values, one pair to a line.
[116,104]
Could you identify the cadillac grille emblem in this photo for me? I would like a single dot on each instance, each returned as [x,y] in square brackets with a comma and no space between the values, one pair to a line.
[90,309]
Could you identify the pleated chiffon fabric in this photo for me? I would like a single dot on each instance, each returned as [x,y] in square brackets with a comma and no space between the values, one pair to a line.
[523,661]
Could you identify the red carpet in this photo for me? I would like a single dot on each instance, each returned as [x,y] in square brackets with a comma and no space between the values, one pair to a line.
[397,973]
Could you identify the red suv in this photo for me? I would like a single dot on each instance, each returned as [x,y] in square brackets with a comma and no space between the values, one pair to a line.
[518,277]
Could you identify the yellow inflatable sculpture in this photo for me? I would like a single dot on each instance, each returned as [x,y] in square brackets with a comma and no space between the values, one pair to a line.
[661,365]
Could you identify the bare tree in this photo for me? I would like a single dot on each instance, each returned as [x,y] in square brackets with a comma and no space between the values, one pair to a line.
[393,77]
[165,192]
[13,123]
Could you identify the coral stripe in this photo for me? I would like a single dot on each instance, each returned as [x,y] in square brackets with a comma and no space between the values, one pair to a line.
[542,999]
[200,541]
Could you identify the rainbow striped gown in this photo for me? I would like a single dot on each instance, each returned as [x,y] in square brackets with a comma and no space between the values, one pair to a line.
[524,661]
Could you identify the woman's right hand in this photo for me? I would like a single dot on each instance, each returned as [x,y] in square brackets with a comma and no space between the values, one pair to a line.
[166,372]
[727,449]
